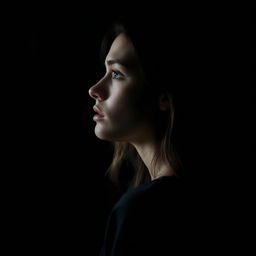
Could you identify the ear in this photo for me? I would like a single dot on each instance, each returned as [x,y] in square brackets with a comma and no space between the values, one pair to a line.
[163,102]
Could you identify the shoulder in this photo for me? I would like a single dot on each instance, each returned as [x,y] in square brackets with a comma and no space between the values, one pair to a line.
[150,214]
[147,219]
[155,198]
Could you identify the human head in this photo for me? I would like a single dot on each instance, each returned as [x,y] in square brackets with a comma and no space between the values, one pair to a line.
[139,97]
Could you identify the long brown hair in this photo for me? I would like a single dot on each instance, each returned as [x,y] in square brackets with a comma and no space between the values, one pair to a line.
[125,156]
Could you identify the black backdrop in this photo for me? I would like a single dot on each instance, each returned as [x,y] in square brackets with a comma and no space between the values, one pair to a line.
[57,198]
[56,186]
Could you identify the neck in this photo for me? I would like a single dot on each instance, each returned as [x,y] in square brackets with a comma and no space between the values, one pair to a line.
[147,151]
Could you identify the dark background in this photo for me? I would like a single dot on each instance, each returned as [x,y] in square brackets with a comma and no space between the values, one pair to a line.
[57,196]
[56,192]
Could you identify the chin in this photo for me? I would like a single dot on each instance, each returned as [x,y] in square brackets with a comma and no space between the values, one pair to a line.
[99,135]
[107,136]
[113,134]
[102,135]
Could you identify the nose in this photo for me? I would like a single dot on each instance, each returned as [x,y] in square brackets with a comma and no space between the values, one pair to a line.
[93,94]
[96,92]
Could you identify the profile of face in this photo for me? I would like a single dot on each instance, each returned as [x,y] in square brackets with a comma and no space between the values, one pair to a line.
[121,96]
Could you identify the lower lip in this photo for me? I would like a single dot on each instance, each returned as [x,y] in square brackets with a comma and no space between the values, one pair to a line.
[98,117]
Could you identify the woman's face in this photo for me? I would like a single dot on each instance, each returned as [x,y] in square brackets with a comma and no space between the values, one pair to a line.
[120,95]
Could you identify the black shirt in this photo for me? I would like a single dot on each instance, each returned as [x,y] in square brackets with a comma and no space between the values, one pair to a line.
[148,220]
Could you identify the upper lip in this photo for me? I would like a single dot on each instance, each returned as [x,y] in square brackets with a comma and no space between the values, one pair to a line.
[96,109]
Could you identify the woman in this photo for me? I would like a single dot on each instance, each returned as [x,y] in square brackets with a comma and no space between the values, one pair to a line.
[134,105]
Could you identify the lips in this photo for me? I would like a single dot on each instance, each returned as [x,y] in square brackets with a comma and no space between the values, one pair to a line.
[99,116]
[97,110]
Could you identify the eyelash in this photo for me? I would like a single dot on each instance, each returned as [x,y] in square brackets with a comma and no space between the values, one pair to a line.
[115,73]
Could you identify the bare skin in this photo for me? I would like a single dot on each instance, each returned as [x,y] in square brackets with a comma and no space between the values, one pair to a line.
[126,110]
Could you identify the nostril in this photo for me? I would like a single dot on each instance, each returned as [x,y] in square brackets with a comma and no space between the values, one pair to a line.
[95,95]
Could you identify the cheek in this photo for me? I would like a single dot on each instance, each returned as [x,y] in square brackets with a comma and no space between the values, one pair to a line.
[124,103]
[126,110]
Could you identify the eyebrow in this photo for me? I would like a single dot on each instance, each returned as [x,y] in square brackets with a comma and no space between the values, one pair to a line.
[115,61]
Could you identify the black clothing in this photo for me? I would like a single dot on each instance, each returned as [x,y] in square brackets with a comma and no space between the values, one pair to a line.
[148,220]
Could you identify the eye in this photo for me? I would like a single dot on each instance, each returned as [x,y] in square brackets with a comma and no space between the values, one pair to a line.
[116,75]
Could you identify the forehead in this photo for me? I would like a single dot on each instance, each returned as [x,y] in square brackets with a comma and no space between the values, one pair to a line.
[122,48]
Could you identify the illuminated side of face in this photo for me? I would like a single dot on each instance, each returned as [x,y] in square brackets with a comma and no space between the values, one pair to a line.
[120,95]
